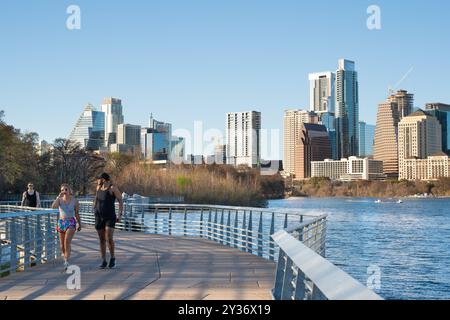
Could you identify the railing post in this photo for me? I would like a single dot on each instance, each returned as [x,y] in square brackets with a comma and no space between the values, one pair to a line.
[250,233]
[235,230]
[300,289]
[244,232]
[201,223]
[38,234]
[221,227]
[279,276]
[271,243]
[48,238]
[13,244]
[287,292]
[185,222]
[26,243]
[260,235]
[229,228]
[209,225]
[285,220]
[156,221]
[215,235]
[170,221]
[143,221]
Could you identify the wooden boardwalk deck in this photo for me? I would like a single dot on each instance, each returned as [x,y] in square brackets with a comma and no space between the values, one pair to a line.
[150,267]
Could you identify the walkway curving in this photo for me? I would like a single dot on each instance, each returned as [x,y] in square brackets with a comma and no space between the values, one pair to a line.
[150,267]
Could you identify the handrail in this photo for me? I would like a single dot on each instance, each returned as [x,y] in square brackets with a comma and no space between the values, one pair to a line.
[27,237]
[304,274]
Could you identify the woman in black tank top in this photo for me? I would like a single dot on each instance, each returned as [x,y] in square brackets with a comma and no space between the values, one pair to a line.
[105,203]
[105,216]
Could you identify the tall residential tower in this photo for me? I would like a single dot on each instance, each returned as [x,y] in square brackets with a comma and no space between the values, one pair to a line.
[347,109]
[243,138]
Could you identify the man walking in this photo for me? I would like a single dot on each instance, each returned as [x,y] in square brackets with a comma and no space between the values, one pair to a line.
[105,217]
[30,198]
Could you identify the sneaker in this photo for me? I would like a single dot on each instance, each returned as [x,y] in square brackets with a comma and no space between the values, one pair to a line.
[66,265]
[104,264]
[112,263]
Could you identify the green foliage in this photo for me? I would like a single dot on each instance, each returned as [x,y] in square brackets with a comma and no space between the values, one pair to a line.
[21,163]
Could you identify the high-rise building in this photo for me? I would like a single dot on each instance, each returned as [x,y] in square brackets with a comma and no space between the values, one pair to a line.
[404,102]
[220,154]
[420,148]
[347,109]
[89,131]
[366,139]
[386,138]
[177,155]
[128,139]
[243,138]
[293,120]
[322,96]
[419,136]
[113,111]
[313,145]
[156,141]
[442,112]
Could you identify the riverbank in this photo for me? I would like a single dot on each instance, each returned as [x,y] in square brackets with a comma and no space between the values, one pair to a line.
[322,187]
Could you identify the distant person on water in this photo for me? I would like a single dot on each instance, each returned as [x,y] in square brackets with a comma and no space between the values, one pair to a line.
[67,220]
[106,218]
[30,198]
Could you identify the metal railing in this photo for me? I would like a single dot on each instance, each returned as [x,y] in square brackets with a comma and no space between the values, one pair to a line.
[303,273]
[27,237]
[299,248]
[246,229]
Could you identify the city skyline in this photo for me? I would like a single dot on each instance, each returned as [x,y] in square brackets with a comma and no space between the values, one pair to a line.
[186,74]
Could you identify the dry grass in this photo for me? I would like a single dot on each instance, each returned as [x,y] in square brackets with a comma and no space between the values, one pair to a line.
[197,184]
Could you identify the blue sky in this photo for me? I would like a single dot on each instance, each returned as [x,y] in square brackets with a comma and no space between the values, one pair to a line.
[196,59]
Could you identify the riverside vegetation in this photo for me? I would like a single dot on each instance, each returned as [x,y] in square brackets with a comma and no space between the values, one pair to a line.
[323,187]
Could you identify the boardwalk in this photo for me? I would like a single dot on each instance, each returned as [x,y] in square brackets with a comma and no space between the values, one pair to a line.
[150,267]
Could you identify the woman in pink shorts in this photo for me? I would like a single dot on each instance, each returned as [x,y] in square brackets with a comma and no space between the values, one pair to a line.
[67,220]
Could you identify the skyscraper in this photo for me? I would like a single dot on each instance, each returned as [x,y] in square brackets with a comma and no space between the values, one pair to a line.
[419,147]
[128,138]
[313,145]
[366,139]
[386,138]
[347,109]
[321,92]
[442,112]
[113,110]
[156,140]
[404,102]
[243,138]
[293,120]
[89,131]
[419,136]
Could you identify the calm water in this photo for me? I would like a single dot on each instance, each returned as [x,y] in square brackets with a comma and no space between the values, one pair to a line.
[409,242]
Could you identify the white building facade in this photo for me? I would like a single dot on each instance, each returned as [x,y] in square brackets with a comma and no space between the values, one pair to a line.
[243,138]
[353,168]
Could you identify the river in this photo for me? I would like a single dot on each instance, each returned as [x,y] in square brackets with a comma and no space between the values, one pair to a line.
[408,242]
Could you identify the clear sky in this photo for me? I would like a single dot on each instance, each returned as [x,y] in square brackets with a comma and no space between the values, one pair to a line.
[193,60]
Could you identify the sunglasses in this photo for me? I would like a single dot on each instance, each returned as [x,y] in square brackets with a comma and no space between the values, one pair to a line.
[30,186]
